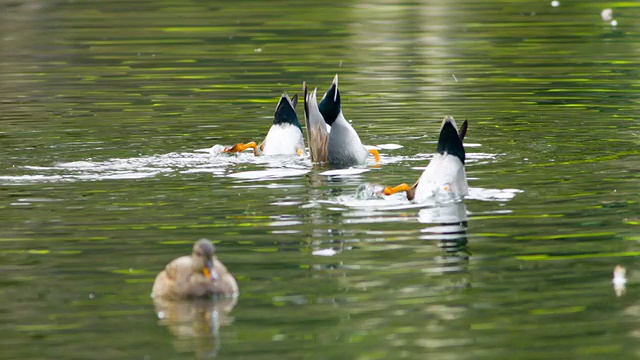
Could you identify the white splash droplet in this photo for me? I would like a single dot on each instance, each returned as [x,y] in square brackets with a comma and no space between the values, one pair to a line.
[324,252]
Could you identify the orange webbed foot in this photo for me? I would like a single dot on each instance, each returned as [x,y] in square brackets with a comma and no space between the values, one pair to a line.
[375,154]
[241,147]
[392,190]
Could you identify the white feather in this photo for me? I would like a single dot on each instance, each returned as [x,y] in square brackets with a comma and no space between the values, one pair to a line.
[445,175]
[283,139]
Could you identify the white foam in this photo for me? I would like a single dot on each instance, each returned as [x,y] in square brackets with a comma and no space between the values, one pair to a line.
[268,174]
[344,172]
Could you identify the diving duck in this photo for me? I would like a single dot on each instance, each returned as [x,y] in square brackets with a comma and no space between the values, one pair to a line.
[200,275]
[445,173]
[331,138]
[284,136]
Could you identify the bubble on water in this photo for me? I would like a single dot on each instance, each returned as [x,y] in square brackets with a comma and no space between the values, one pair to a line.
[369,191]
[607,15]
[555,3]
[614,23]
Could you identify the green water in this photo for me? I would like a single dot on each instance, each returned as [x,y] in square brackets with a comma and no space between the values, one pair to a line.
[104,104]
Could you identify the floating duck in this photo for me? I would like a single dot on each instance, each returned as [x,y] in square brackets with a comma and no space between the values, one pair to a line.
[445,173]
[284,136]
[200,275]
[331,138]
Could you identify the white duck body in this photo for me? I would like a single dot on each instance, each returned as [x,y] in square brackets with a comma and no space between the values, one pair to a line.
[345,148]
[445,175]
[283,139]
[285,135]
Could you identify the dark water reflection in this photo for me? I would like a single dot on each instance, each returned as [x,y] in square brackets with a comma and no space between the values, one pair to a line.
[111,114]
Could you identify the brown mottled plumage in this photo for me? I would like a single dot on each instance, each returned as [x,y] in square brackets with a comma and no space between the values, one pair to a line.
[197,276]
[317,134]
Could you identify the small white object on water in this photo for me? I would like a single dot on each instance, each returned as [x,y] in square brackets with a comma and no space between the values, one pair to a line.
[619,280]
[160,315]
[614,23]
[215,149]
[388,146]
[607,15]
[324,252]
[555,3]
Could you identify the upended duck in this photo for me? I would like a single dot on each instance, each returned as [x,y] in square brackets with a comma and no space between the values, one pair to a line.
[284,136]
[445,174]
[200,275]
[331,138]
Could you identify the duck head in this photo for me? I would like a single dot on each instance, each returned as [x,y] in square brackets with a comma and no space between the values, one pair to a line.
[202,256]
[330,106]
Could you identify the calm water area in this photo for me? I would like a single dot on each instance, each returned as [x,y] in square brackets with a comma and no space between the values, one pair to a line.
[113,114]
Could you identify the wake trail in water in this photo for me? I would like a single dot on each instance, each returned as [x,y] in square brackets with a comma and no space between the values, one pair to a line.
[209,160]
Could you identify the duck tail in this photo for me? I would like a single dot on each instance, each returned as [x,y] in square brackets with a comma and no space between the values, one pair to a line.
[450,141]
[286,113]
[463,129]
[317,133]
[330,105]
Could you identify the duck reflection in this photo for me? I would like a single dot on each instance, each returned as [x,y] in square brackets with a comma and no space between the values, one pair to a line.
[195,323]
[447,225]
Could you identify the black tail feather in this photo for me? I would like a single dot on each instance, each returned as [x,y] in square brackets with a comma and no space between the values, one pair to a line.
[463,130]
[330,105]
[449,141]
[294,100]
[285,113]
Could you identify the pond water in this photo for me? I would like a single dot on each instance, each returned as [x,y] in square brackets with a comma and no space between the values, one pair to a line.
[112,115]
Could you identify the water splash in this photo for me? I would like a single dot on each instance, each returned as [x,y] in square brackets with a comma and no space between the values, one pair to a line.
[207,160]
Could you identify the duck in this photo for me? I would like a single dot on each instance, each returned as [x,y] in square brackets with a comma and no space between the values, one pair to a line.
[445,174]
[200,275]
[331,138]
[285,135]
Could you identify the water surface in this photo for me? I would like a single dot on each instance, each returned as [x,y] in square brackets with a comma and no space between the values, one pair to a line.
[112,115]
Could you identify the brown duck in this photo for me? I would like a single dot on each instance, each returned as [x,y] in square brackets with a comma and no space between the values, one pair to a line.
[200,275]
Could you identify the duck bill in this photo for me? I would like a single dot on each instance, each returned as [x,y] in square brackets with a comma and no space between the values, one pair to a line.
[207,270]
